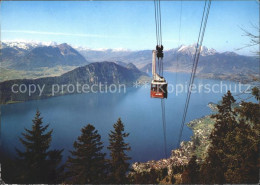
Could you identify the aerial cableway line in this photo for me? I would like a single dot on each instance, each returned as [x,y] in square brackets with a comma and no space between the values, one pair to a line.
[195,62]
[159,84]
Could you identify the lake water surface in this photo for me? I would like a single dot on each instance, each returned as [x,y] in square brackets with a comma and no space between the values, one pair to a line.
[140,114]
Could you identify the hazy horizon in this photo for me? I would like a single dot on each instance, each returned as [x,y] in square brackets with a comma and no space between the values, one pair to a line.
[54,43]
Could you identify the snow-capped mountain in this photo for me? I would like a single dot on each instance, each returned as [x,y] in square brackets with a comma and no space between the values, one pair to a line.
[25,44]
[190,50]
[32,55]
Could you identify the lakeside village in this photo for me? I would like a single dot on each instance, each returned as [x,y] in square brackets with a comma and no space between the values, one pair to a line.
[180,157]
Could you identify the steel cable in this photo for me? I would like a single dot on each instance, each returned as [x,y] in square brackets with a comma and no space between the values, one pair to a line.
[195,64]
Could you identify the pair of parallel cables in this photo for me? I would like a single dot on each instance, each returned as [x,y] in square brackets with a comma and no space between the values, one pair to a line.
[203,25]
[195,63]
[158,23]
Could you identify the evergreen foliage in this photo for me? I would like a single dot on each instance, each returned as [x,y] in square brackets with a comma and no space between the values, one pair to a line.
[38,163]
[233,154]
[118,148]
[87,163]
[191,174]
[145,177]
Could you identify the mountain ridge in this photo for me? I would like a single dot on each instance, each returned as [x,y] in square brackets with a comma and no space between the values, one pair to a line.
[211,63]
[100,72]
[40,56]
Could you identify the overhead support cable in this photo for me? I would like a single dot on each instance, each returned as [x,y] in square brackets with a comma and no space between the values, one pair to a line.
[195,62]
[159,48]
[164,126]
[177,63]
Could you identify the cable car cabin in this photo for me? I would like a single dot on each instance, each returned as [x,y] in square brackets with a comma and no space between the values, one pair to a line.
[159,84]
[159,89]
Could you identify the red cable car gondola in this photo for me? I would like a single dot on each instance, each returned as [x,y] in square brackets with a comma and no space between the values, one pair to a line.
[158,84]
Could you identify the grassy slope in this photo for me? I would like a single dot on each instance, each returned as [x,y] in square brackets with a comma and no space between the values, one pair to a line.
[10,74]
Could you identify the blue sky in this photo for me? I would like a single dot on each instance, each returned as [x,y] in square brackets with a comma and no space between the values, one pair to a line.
[129,25]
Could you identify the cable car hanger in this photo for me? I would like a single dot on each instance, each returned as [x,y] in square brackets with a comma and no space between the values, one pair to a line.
[158,84]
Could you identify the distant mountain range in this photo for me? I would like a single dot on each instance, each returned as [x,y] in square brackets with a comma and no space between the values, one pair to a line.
[94,73]
[34,55]
[180,59]
[210,61]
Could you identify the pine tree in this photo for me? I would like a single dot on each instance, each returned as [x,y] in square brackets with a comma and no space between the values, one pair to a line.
[225,119]
[241,156]
[212,170]
[118,147]
[256,93]
[191,174]
[225,123]
[87,163]
[233,154]
[245,142]
[39,164]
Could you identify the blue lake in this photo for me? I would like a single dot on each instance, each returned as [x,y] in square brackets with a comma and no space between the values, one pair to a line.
[140,114]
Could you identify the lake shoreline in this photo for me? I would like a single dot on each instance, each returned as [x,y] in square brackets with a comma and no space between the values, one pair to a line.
[143,80]
[198,145]
[226,77]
